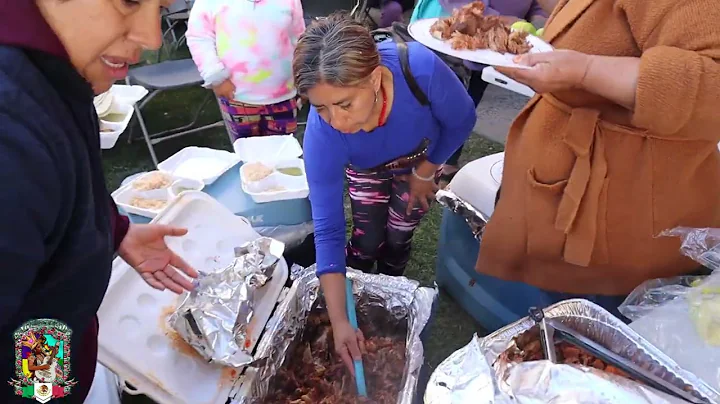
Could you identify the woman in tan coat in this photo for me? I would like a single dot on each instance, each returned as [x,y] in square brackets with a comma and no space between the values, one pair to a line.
[620,143]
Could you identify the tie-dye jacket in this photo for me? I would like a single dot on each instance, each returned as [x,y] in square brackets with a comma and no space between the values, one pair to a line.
[250,42]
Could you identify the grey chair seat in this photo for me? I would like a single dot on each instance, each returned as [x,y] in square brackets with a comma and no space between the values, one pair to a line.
[168,75]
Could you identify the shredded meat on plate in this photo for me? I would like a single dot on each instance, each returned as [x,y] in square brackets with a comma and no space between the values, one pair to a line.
[468,29]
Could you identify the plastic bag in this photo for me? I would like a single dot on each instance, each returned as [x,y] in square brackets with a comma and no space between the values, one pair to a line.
[702,245]
[655,293]
[681,315]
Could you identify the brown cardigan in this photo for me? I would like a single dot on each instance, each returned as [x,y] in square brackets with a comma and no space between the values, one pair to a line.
[587,184]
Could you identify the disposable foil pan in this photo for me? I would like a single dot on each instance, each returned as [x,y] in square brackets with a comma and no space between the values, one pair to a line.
[474,218]
[401,297]
[488,383]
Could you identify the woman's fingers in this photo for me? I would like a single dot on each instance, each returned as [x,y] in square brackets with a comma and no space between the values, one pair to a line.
[531,59]
[168,282]
[178,278]
[361,341]
[411,204]
[425,203]
[347,360]
[179,263]
[150,280]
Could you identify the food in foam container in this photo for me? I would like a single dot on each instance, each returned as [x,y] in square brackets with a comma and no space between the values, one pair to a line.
[156,180]
[256,172]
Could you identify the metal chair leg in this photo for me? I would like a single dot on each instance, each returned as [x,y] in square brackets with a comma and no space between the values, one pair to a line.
[146,135]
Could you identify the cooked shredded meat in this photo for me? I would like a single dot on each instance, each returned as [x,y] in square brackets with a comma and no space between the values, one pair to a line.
[468,29]
[528,347]
[312,372]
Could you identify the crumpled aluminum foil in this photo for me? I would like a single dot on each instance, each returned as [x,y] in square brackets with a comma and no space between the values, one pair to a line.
[538,382]
[402,297]
[474,218]
[543,382]
[215,316]
[464,377]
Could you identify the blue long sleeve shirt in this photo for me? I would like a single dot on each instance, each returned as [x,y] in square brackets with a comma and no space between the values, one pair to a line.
[447,122]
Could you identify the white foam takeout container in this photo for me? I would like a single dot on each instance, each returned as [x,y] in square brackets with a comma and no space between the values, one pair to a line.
[110,131]
[124,195]
[199,163]
[135,341]
[123,99]
[275,152]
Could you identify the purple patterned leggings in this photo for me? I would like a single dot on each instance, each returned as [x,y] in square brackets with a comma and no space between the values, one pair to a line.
[382,231]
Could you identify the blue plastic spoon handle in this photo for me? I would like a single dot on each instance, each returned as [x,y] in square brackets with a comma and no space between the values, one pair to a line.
[360,378]
[352,317]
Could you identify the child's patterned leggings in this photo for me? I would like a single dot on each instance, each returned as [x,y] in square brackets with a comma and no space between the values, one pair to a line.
[382,231]
[244,120]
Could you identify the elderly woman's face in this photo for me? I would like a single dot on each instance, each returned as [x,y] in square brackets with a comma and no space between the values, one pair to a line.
[103,37]
[347,109]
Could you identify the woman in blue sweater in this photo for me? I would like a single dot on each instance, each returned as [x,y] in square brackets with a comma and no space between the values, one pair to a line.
[366,123]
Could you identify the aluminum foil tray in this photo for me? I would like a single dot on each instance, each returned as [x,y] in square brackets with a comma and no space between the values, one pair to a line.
[449,383]
[474,218]
[399,296]
[597,324]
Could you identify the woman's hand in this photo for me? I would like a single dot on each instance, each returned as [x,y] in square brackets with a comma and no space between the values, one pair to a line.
[226,89]
[422,190]
[550,71]
[349,343]
[145,250]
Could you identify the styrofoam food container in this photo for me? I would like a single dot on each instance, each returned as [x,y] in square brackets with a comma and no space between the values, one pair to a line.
[126,193]
[199,163]
[132,339]
[108,136]
[128,95]
[108,139]
[183,185]
[124,197]
[125,111]
[266,148]
[295,187]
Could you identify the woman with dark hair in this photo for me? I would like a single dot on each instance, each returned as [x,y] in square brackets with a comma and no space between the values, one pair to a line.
[59,228]
[367,123]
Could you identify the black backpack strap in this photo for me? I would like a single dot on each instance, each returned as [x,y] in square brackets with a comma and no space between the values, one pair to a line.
[407,73]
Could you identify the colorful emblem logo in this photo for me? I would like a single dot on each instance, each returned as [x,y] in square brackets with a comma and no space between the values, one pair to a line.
[42,360]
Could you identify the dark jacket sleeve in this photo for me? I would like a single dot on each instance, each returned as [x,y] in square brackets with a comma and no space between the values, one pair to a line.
[30,202]
[119,225]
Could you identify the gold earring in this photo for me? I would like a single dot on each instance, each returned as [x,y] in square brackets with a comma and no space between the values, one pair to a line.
[376,94]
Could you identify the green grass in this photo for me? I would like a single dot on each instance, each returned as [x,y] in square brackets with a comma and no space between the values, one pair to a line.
[452,327]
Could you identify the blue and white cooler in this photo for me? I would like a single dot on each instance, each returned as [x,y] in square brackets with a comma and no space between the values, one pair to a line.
[469,201]
[282,212]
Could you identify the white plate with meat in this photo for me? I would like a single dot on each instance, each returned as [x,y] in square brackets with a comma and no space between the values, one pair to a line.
[471,36]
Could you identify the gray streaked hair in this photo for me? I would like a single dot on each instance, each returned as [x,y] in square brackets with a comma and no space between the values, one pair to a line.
[336,50]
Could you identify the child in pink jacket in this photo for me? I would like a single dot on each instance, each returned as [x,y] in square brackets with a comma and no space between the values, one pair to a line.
[244,49]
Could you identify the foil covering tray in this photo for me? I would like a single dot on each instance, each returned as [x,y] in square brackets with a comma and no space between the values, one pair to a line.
[474,218]
[400,297]
[478,371]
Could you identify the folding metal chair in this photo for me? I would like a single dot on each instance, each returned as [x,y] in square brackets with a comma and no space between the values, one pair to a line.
[166,76]
[175,16]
